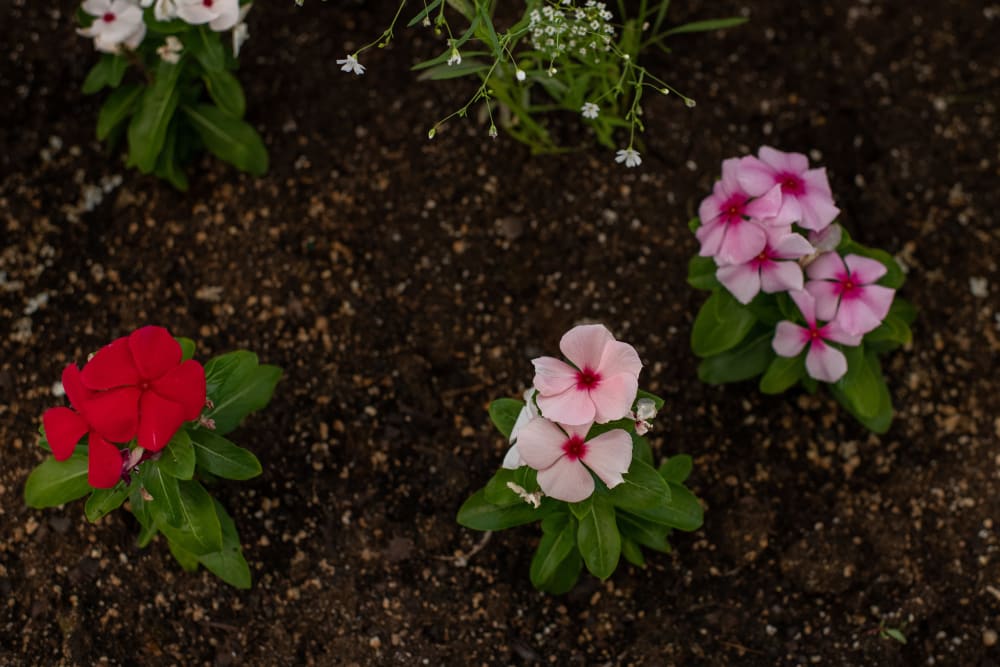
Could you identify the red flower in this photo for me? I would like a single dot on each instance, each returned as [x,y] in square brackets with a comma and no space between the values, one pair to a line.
[136,387]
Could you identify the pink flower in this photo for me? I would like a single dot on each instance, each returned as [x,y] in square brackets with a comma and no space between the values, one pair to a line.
[218,14]
[806,196]
[823,361]
[562,457]
[767,270]
[731,229]
[602,385]
[843,288]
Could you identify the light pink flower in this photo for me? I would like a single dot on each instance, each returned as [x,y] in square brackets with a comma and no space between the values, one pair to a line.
[116,22]
[823,361]
[512,460]
[600,388]
[562,457]
[218,14]
[806,196]
[731,219]
[768,270]
[843,288]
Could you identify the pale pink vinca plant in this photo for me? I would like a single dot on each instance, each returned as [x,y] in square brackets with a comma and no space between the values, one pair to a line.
[806,198]
[823,361]
[773,270]
[845,289]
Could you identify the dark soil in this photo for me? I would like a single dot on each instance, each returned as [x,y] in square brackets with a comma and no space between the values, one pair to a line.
[403,283]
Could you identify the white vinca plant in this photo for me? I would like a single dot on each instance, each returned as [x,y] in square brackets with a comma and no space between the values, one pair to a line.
[169,64]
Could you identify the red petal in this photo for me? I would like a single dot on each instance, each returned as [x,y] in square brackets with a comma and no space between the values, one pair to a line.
[63,429]
[184,385]
[115,414]
[111,367]
[159,419]
[104,467]
[76,392]
[155,351]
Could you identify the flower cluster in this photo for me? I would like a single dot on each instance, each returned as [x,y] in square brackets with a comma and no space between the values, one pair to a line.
[550,435]
[565,30]
[137,388]
[122,23]
[755,226]
[791,277]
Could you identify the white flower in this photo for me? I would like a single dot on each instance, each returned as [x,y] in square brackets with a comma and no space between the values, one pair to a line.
[351,64]
[170,50]
[590,110]
[629,156]
[455,58]
[165,10]
[519,74]
[493,131]
[512,461]
[241,33]
[218,14]
[116,22]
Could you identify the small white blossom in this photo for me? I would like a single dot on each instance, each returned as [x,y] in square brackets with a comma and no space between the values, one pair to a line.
[629,156]
[170,50]
[455,58]
[240,35]
[116,23]
[590,110]
[520,75]
[351,64]
[645,410]
[493,131]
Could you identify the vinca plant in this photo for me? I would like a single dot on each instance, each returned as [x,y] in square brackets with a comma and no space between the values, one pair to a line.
[545,57]
[169,67]
[147,426]
[579,463]
[793,299]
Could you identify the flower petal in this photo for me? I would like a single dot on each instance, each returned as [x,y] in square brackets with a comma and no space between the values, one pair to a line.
[710,235]
[781,161]
[512,460]
[584,345]
[855,316]
[540,443]
[878,299]
[184,385]
[553,376]
[742,280]
[789,339]
[827,297]
[609,455]
[806,303]
[72,383]
[566,480]
[111,367]
[833,331]
[755,177]
[63,430]
[229,15]
[573,406]
[613,398]
[828,266]
[155,351]
[744,240]
[864,270]
[766,206]
[104,463]
[115,414]
[824,362]
[781,277]
[159,420]
[618,358]
[790,246]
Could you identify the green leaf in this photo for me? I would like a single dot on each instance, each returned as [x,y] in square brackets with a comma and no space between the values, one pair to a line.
[720,325]
[167,164]
[496,490]
[701,273]
[479,514]
[165,504]
[108,71]
[221,457]
[632,552]
[228,563]
[707,25]
[187,560]
[147,132]
[861,384]
[239,385]
[558,542]
[467,67]
[684,512]
[178,457]
[641,451]
[504,413]
[431,6]
[766,309]
[782,373]
[206,46]
[597,537]
[676,469]
[103,501]
[54,482]
[643,489]
[199,530]
[140,510]
[903,309]
[226,91]
[187,348]
[895,633]
[881,420]
[694,223]
[566,575]
[119,106]
[641,531]
[230,139]
[740,363]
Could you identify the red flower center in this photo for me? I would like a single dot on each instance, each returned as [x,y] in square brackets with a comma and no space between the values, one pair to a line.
[208,3]
[144,385]
[108,17]
[791,184]
[814,334]
[575,448]
[587,379]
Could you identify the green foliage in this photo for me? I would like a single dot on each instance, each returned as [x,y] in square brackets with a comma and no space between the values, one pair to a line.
[720,325]
[54,482]
[504,413]
[170,111]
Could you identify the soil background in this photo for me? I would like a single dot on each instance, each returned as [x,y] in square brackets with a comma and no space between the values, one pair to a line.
[402,283]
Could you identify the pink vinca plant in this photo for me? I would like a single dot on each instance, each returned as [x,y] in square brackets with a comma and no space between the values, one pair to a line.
[823,361]
[599,386]
[773,270]
[806,198]
[845,289]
